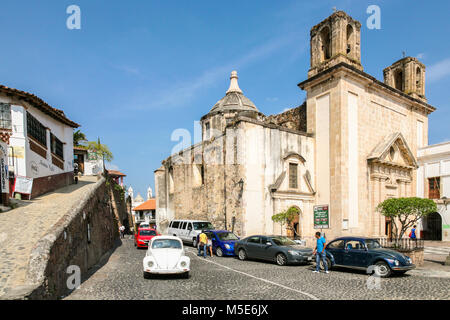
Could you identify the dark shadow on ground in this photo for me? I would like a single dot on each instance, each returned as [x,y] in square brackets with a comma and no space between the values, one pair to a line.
[103,261]
[357,271]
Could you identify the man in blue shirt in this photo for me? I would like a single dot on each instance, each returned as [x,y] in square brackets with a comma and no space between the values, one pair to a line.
[320,253]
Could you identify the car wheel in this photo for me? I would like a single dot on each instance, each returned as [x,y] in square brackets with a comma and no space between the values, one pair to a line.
[281,259]
[194,243]
[382,269]
[219,252]
[242,255]
[329,264]
[147,275]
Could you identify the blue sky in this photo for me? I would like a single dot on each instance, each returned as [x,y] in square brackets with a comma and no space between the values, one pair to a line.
[138,70]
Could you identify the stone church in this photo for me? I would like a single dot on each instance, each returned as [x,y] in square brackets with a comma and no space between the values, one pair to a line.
[351,145]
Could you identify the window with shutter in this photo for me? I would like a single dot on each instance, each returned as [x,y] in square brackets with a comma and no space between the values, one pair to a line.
[293,175]
[434,188]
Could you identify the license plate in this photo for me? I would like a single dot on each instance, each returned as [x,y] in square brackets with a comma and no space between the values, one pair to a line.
[309,258]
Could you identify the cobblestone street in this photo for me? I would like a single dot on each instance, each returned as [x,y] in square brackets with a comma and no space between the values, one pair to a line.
[22,227]
[229,278]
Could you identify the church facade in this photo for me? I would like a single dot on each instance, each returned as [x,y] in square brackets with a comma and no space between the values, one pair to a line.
[351,145]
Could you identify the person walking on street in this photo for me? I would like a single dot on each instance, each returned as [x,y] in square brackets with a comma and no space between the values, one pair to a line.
[202,241]
[319,251]
[122,231]
[412,234]
[209,246]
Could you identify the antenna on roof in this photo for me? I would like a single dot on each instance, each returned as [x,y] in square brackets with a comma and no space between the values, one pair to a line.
[334,9]
[404,54]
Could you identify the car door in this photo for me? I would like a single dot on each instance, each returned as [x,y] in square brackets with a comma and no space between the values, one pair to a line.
[253,245]
[265,251]
[336,249]
[189,234]
[355,254]
[183,230]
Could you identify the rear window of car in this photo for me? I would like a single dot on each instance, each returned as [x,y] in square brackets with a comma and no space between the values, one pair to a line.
[227,236]
[203,226]
[166,244]
[147,233]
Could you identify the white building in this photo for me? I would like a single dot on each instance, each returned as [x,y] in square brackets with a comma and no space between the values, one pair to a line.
[37,144]
[434,172]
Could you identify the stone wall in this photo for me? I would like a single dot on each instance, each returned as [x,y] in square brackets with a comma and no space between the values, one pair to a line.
[51,183]
[80,238]
[294,119]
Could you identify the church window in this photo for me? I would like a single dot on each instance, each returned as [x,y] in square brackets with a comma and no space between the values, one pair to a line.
[199,175]
[207,130]
[398,80]
[293,175]
[171,183]
[326,43]
[349,38]
[392,153]
[418,80]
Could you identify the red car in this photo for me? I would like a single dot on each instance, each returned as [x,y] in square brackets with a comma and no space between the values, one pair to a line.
[143,237]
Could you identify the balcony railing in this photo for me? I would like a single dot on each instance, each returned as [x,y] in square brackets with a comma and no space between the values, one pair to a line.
[405,244]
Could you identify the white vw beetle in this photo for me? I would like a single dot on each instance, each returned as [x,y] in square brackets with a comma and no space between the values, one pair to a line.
[166,255]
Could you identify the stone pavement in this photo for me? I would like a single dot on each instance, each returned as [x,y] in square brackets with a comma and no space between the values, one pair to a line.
[21,228]
[120,276]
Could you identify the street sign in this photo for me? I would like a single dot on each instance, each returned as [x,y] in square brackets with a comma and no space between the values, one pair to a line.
[321,217]
[23,185]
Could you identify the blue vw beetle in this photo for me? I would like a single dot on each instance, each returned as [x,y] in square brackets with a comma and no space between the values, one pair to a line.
[222,241]
[366,254]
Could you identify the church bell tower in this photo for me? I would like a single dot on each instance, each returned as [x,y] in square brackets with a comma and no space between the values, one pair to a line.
[335,40]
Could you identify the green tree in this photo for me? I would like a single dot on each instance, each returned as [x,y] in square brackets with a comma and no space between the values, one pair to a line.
[102,150]
[405,212]
[79,138]
[286,218]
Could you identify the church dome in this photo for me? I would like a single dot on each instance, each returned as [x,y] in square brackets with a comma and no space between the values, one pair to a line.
[234,99]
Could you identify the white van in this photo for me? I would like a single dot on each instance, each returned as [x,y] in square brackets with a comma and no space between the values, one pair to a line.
[188,230]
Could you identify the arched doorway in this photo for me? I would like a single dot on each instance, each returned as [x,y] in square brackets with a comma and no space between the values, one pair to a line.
[293,230]
[433,227]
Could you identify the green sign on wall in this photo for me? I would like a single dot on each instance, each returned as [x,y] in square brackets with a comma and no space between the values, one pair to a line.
[321,217]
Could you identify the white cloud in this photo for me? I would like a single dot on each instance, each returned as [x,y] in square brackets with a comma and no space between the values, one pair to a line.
[420,55]
[438,70]
[128,69]
[182,92]
[110,166]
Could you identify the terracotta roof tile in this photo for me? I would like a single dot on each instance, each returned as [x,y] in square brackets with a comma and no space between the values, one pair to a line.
[147,205]
[41,105]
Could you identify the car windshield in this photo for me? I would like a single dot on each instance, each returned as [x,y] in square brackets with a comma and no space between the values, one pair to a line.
[226,236]
[283,241]
[166,244]
[147,233]
[372,244]
[203,226]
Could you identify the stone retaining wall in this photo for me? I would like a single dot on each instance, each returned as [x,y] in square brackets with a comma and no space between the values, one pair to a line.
[68,244]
